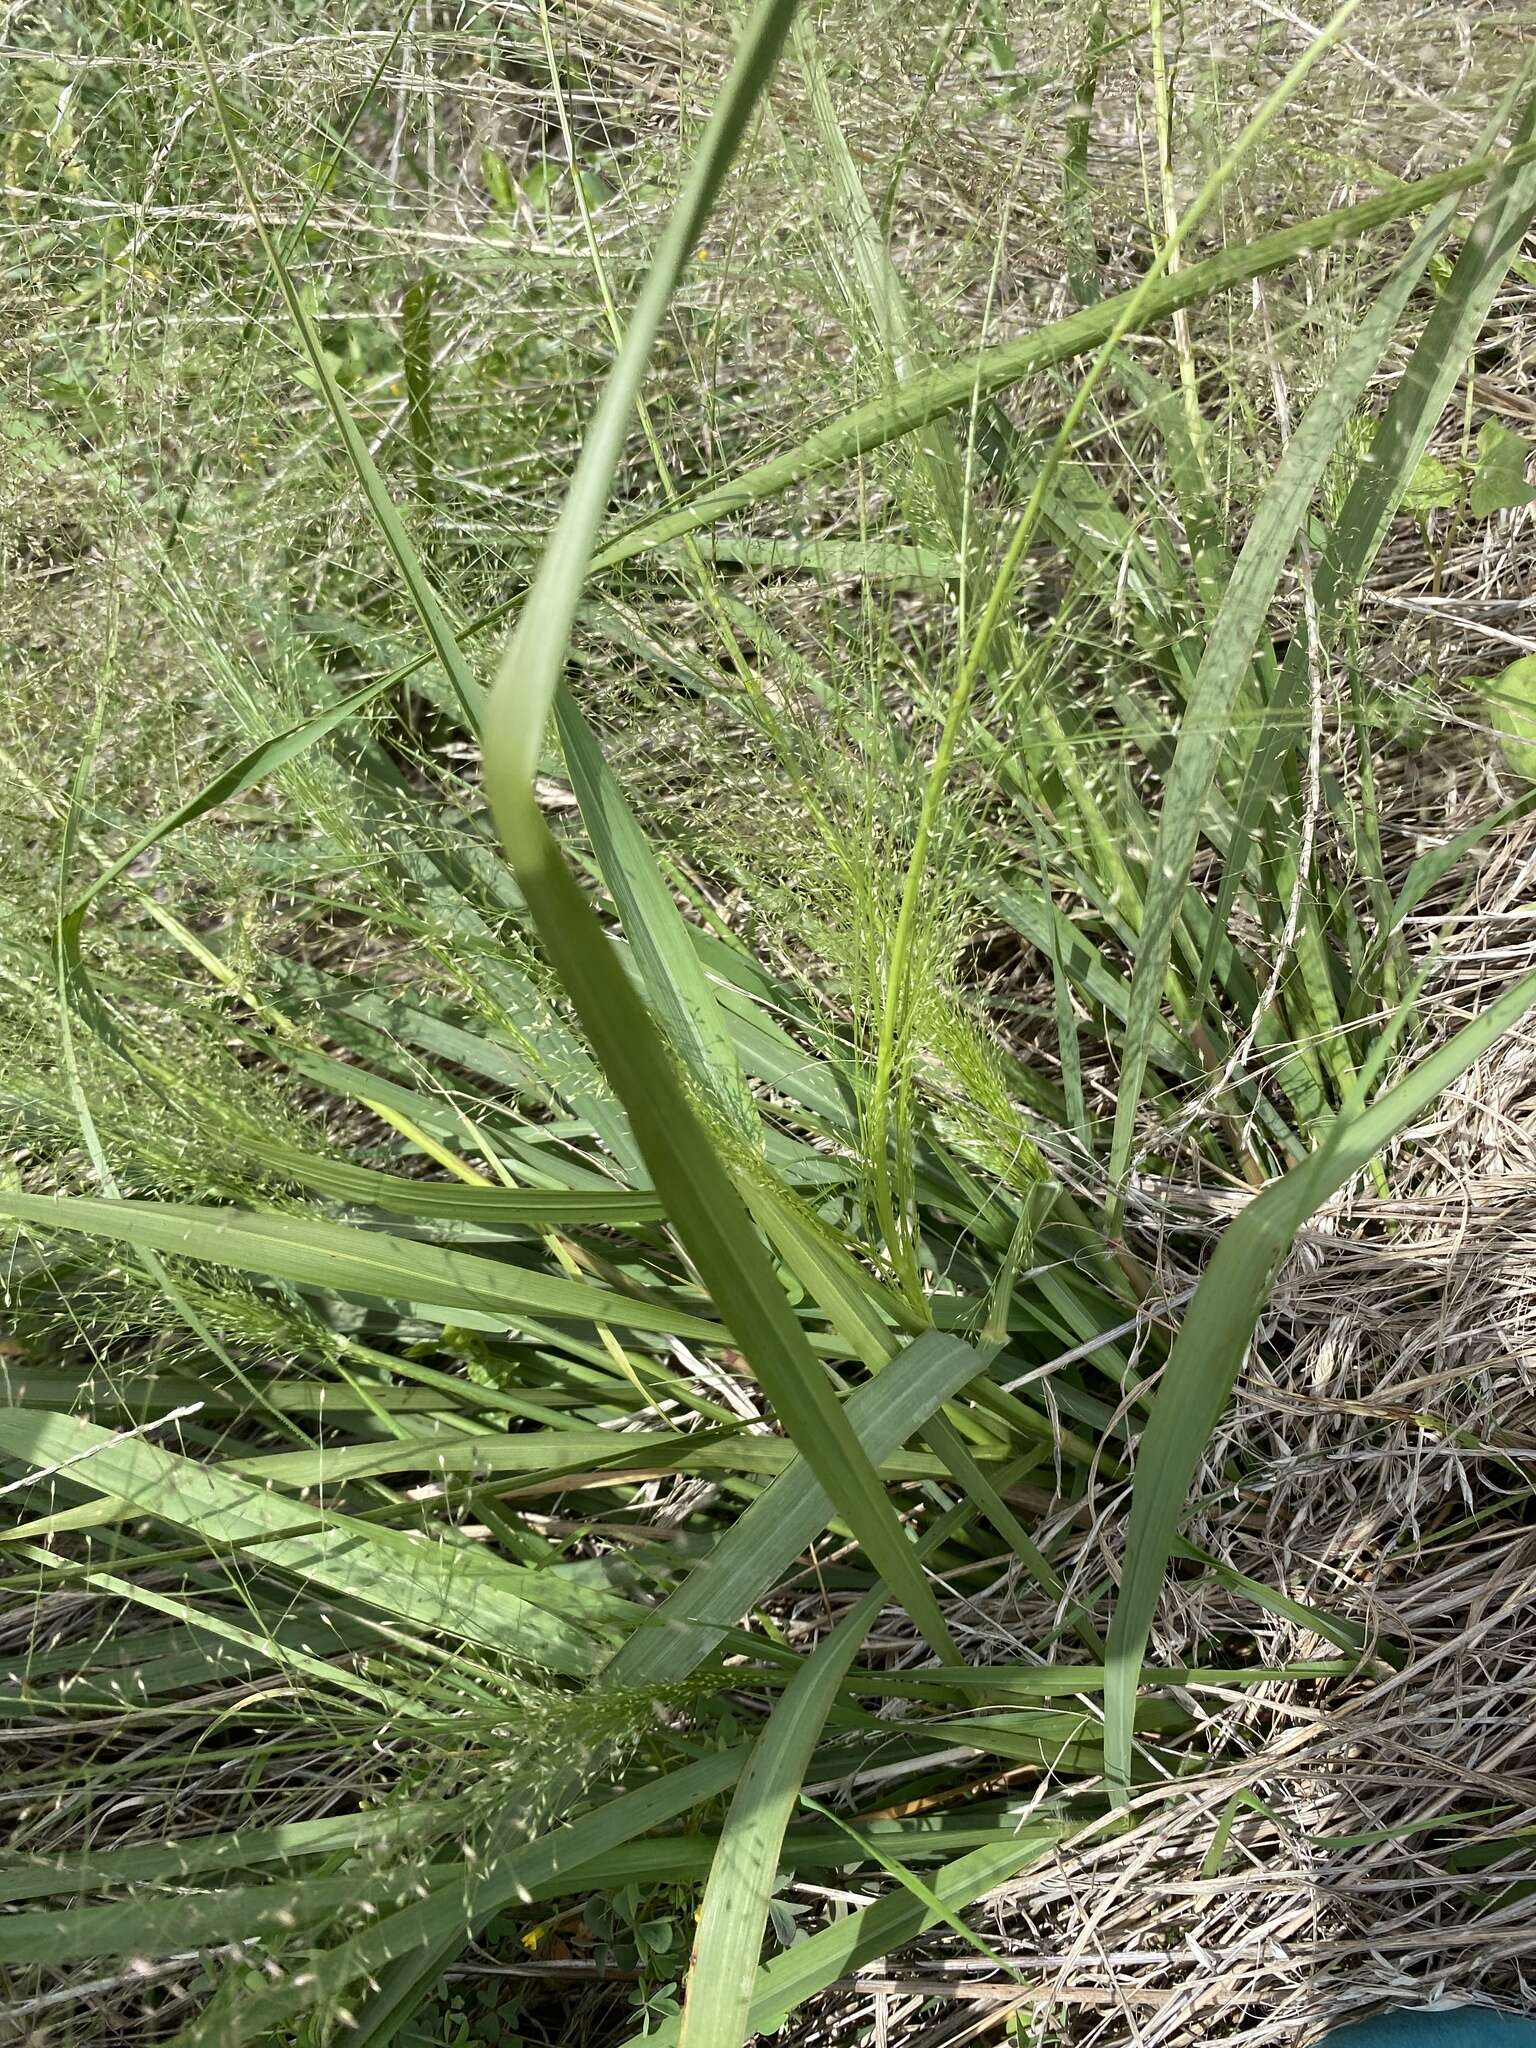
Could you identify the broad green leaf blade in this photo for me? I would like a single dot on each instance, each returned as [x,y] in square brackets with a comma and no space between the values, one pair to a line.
[1511,700]
[552,1460]
[873,1851]
[170,1924]
[706,1211]
[337,1257]
[393,1831]
[505,1871]
[454,1201]
[531,667]
[1209,1349]
[923,1837]
[663,947]
[729,1940]
[386,1829]
[437,1586]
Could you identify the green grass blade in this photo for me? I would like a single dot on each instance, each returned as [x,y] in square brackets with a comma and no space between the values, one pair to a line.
[506,1871]
[729,1941]
[453,1201]
[531,667]
[873,1851]
[932,393]
[1377,489]
[759,1547]
[244,772]
[309,1252]
[1226,665]
[382,1828]
[547,1455]
[147,1925]
[437,1586]
[992,370]
[706,1211]
[670,969]
[868,1933]
[1209,1349]
[416,356]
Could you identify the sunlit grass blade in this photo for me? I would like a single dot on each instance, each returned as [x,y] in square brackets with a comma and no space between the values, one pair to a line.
[310,1252]
[705,1209]
[762,1544]
[1209,1350]
[556,1457]
[1375,492]
[435,1585]
[864,1935]
[506,1871]
[169,1924]
[932,393]
[670,969]
[38,1876]
[728,1943]
[453,1201]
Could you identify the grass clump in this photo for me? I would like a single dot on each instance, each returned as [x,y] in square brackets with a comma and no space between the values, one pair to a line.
[616,1375]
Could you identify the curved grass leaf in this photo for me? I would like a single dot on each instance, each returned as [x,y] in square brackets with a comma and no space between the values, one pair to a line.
[932,393]
[1381,484]
[383,1829]
[705,1209]
[869,1932]
[663,947]
[761,1545]
[308,1252]
[453,1201]
[441,1587]
[1208,1352]
[729,1940]
[505,1871]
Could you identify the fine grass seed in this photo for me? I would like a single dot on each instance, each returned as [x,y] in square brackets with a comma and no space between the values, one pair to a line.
[765,1020]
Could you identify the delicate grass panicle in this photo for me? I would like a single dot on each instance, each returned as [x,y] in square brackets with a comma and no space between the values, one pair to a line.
[652,1343]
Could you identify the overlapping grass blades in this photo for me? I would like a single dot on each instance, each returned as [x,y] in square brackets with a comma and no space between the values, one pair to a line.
[687,1213]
